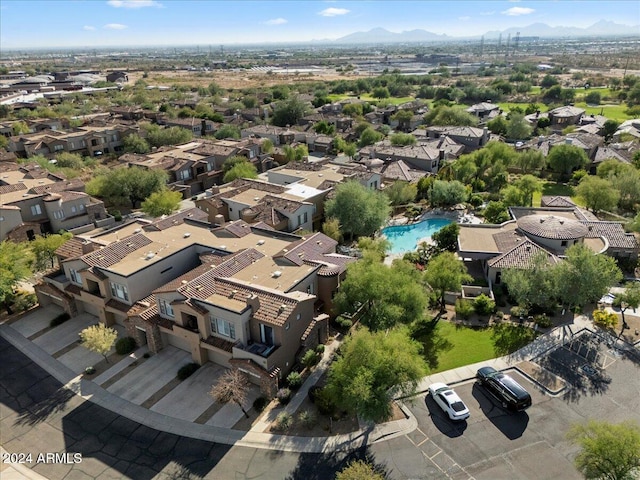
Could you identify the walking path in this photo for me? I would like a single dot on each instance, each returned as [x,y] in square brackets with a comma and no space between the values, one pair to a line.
[256,437]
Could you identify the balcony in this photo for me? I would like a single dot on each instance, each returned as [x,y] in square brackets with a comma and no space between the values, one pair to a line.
[257,352]
[57,279]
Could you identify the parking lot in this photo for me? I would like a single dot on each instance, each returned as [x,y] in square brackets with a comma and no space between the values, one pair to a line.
[495,443]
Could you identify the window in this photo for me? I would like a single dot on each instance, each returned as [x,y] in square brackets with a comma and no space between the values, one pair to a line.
[224,328]
[81,207]
[57,148]
[166,308]
[36,210]
[73,209]
[563,243]
[184,174]
[1,219]
[119,291]
[75,276]
[310,289]
[58,214]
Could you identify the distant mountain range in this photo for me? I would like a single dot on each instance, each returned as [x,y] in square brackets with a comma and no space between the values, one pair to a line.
[601,28]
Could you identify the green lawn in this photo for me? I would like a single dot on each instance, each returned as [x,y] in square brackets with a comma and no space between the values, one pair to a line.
[553,188]
[613,112]
[507,106]
[451,346]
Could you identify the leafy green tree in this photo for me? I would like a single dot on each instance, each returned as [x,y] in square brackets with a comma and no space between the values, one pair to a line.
[44,249]
[447,116]
[162,202]
[372,369]
[552,94]
[563,159]
[610,127]
[227,131]
[389,295]
[19,128]
[608,451]
[630,298]
[295,154]
[69,160]
[289,112]
[15,260]
[157,136]
[517,127]
[133,184]
[231,162]
[359,470]
[448,193]
[549,81]
[598,193]
[266,146]
[634,225]
[446,273]
[401,193]
[99,338]
[513,196]
[241,170]
[424,186]
[369,136]
[380,92]
[403,117]
[136,144]
[498,125]
[533,287]
[331,228]
[402,139]
[446,239]
[4,141]
[627,182]
[529,185]
[496,212]
[593,98]
[530,160]
[584,277]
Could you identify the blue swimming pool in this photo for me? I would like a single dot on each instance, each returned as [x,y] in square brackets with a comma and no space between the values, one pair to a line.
[404,238]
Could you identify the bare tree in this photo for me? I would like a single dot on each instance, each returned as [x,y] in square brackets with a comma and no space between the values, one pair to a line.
[231,387]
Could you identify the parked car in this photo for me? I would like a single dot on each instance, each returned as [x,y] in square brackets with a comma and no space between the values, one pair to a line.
[449,401]
[509,392]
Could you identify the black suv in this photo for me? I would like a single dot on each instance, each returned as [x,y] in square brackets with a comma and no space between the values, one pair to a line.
[504,388]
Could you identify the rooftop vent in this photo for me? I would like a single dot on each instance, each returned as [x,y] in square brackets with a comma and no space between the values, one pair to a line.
[233,293]
[186,235]
[137,230]
[276,274]
[184,282]
[255,199]
[150,255]
[260,242]
[281,309]
[223,247]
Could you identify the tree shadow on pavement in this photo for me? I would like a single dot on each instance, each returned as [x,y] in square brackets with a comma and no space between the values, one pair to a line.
[511,424]
[313,466]
[39,412]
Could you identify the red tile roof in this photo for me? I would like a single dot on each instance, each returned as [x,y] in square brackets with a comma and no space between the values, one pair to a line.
[116,251]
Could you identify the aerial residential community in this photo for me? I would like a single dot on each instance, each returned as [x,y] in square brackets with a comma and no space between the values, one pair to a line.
[320,240]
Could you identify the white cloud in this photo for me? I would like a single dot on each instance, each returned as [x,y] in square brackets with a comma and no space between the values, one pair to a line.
[465,18]
[134,3]
[115,26]
[486,14]
[276,21]
[516,11]
[333,12]
[89,27]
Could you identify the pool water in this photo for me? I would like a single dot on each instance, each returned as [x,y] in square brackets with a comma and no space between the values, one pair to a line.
[404,238]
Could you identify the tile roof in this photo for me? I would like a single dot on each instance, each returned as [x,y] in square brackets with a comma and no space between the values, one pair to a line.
[220,343]
[552,227]
[613,232]
[74,184]
[72,248]
[176,219]
[184,279]
[507,240]
[567,111]
[116,251]
[521,256]
[401,171]
[239,228]
[16,187]
[117,305]
[556,201]
[309,248]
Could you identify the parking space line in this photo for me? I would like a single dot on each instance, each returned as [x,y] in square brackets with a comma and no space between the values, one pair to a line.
[422,442]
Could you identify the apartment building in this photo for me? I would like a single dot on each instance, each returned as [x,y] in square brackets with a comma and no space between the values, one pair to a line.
[243,296]
[34,201]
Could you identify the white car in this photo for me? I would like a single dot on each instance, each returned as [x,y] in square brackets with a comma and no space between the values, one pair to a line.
[449,401]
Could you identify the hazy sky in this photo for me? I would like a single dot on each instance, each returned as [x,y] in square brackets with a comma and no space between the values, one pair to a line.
[95,23]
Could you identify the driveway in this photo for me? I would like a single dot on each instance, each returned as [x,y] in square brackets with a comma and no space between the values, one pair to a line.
[64,335]
[149,377]
[36,321]
[79,358]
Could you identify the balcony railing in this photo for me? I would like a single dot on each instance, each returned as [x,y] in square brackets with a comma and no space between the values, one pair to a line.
[57,279]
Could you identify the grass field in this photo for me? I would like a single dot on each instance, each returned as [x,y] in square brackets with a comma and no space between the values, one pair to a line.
[613,112]
[451,346]
[553,188]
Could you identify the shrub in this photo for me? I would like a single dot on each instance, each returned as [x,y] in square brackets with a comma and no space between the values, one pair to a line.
[483,305]
[146,355]
[60,319]
[325,404]
[475,200]
[117,216]
[499,315]
[307,418]
[464,308]
[125,345]
[542,321]
[187,370]
[320,349]
[617,301]
[24,301]
[294,380]
[314,390]
[259,403]
[90,370]
[283,421]
[605,319]
[310,358]
[283,395]
[518,311]
[343,323]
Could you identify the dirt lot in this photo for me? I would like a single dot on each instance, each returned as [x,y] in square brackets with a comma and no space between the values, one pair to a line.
[234,80]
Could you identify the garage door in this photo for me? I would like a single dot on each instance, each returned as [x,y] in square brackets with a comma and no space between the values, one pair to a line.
[181,343]
[90,309]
